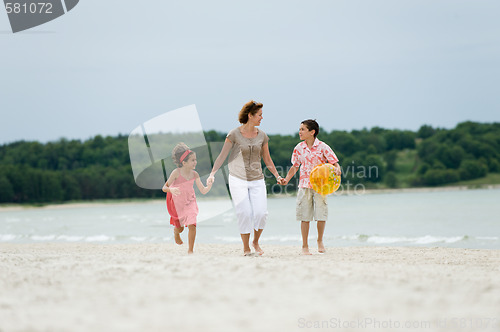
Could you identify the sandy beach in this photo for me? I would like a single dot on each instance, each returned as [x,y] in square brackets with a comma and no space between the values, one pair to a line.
[158,287]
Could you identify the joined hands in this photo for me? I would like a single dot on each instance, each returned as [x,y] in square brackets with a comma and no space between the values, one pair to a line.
[210,180]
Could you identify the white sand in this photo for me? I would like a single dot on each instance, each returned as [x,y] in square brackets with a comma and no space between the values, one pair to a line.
[157,287]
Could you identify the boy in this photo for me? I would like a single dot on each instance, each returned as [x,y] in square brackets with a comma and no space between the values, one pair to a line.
[307,154]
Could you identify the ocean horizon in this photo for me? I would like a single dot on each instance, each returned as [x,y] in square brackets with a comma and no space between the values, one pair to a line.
[455,218]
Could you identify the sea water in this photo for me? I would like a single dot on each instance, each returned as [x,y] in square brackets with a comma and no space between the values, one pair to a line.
[462,218]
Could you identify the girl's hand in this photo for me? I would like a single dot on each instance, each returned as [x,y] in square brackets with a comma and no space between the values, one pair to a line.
[175,191]
[210,180]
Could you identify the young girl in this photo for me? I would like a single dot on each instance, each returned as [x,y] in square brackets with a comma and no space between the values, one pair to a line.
[310,205]
[181,199]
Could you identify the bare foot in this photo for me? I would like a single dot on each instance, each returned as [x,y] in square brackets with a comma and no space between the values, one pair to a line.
[177,237]
[305,251]
[257,248]
[247,252]
[190,252]
[321,247]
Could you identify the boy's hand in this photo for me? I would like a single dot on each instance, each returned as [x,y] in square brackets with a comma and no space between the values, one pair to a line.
[338,171]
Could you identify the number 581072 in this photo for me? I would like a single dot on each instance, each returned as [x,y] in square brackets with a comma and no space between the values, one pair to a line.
[32,8]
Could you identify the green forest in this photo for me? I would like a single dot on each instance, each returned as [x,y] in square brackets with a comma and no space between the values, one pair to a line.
[99,168]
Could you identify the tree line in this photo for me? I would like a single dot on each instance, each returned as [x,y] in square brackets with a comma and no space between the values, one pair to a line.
[99,168]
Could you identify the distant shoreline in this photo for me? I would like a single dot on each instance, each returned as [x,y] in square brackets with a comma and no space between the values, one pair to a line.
[107,202]
[432,189]
[407,190]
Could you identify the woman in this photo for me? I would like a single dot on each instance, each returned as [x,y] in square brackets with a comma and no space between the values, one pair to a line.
[246,146]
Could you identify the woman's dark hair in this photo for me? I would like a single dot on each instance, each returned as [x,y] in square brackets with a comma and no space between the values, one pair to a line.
[177,153]
[252,107]
[312,125]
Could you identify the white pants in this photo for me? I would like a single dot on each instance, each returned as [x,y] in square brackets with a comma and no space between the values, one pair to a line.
[250,203]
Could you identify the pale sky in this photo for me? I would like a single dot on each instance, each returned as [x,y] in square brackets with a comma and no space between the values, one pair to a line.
[108,66]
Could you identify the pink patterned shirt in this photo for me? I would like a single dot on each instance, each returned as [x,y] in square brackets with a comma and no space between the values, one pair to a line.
[319,153]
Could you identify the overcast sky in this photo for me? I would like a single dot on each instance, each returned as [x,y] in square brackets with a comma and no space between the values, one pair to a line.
[108,66]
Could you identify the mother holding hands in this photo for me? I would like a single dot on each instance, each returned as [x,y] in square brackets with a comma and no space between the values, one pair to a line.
[246,146]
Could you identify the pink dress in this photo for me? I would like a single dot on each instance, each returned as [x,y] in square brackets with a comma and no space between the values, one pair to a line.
[185,209]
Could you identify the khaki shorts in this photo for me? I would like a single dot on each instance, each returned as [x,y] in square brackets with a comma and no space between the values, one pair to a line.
[311,204]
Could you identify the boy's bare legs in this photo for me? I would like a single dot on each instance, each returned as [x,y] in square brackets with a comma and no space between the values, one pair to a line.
[255,243]
[304,228]
[246,244]
[191,237]
[321,231]
[177,235]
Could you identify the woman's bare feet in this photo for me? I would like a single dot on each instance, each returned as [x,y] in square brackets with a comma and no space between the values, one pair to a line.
[246,250]
[305,251]
[257,248]
[321,247]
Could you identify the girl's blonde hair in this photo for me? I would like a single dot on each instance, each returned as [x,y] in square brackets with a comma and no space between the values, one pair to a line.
[178,152]
[252,107]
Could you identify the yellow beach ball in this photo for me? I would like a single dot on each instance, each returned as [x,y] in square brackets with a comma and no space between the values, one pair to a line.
[323,179]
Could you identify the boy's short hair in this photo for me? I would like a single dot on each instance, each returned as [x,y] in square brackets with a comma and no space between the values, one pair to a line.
[312,125]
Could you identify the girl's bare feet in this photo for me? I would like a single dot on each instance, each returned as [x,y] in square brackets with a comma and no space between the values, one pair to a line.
[178,239]
[177,236]
[305,251]
[321,247]
[257,248]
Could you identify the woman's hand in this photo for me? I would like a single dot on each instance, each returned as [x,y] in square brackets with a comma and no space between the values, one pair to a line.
[210,180]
